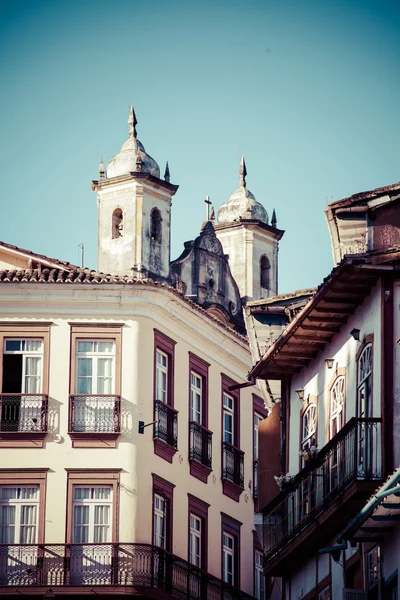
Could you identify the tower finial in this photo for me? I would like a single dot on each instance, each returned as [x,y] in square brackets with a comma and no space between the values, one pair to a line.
[101,169]
[274,220]
[242,173]
[166,174]
[132,122]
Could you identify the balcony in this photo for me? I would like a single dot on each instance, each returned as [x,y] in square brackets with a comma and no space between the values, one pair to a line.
[105,569]
[232,471]
[165,435]
[94,420]
[23,419]
[255,479]
[323,495]
[200,451]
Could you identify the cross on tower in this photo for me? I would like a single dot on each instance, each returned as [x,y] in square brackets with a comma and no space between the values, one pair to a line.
[208,203]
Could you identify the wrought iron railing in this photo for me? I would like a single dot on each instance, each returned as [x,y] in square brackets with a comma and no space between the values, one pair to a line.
[129,565]
[255,478]
[23,412]
[200,444]
[232,464]
[94,413]
[166,424]
[353,454]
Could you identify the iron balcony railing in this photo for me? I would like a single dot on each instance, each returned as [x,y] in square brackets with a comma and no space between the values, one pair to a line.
[232,464]
[23,412]
[166,424]
[353,454]
[200,444]
[97,413]
[129,565]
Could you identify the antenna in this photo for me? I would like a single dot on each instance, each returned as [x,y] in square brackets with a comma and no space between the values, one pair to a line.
[82,247]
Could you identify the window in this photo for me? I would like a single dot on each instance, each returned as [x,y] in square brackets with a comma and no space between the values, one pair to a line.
[364,408]
[337,401]
[95,402]
[92,506]
[232,456]
[259,414]
[155,225]
[309,427]
[230,550]
[259,579]
[195,540]
[19,511]
[373,568]
[165,433]
[198,532]
[92,510]
[117,224]
[24,384]
[200,438]
[95,367]
[162,513]
[264,272]
[325,594]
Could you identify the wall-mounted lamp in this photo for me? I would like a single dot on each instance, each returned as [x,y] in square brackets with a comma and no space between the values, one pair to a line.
[300,394]
[329,362]
[355,333]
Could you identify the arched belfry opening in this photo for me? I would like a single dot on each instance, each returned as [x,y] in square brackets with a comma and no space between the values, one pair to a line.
[265,268]
[117,227]
[155,225]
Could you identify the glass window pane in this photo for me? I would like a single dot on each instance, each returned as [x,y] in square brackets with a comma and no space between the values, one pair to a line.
[104,367]
[85,346]
[85,367]
[13,345]
[105,346]
[33,345]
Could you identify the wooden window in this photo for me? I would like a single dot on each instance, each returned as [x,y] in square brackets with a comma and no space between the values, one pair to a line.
[337,405]
[259,414]
[95,385]
[374,568]
[22,506]
[364,392]
[259,578]
[165,432]
[198,532]
[92,505]
[200,438]
[232,457]
[162,534]
[24,379]
[230,550]
[308,430]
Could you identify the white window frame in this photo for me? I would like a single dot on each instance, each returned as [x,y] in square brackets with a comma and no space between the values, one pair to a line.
[228,551]
[373,564]
[19,503]
[259,579]
[161,371]
[92,503]
[159,520]
[95,356]
[195,539]
[228,411]
[337,396]
[28,354]
[364,391]
[309,427]
[196,396]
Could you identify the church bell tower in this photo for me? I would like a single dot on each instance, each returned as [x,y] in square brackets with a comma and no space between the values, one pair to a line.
[134,212]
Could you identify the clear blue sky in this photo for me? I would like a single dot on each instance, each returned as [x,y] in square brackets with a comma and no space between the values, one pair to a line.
[307,90]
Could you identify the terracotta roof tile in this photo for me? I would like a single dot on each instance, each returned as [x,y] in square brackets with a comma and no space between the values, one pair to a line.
[38,257]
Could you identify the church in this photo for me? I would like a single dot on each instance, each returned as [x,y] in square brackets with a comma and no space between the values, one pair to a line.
[128,429]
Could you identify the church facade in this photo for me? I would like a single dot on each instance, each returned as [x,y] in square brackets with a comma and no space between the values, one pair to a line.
[128,430]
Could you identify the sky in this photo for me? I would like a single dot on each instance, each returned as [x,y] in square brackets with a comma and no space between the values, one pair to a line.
[307,90]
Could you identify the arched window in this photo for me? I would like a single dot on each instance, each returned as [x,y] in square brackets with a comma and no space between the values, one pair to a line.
[117,224]
[337,406]
[264,272]
[155,225]
[364,408]
[309,427]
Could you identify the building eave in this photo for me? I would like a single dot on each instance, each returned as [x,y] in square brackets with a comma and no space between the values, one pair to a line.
[99,184]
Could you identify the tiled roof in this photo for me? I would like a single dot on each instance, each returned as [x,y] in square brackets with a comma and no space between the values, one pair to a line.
[86,277]
[387,189]
[38,257]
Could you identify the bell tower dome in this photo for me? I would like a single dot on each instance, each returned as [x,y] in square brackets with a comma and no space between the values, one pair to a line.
[134,212]
[250,241]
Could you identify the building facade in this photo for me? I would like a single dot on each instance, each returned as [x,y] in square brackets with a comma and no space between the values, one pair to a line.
[127,439]
[330,508]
